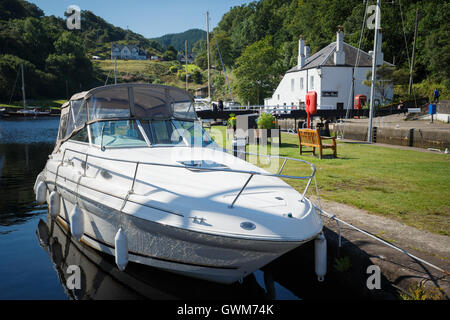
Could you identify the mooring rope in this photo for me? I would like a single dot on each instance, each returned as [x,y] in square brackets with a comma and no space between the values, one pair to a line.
[333,217]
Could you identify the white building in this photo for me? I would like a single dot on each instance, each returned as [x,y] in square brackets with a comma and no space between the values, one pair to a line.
[329,72]
[129,52]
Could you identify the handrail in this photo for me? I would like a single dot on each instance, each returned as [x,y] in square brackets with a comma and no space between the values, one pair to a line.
[251,173]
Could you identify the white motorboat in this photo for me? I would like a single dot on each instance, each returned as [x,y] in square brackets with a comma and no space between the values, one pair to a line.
[134,175]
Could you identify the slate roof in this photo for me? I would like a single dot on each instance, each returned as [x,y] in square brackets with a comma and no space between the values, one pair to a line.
[325,57]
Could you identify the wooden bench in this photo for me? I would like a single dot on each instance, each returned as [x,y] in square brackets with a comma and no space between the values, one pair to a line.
[311,138]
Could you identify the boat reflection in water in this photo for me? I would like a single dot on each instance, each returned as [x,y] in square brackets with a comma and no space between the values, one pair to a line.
[102,280]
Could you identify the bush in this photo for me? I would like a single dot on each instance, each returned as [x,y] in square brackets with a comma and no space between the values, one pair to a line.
[267,121]
[173,69]
[231,123]
[197,77]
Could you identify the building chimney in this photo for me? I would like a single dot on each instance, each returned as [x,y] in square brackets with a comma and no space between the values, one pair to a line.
[301,53]
[339,55]
[307,52]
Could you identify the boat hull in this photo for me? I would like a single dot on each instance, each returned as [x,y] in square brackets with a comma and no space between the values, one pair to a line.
[200,255]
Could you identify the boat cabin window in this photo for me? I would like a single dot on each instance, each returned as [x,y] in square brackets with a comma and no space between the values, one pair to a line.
[81,136]
[109,104]
[77,116]
[176,133]
[63,126]
[117,134]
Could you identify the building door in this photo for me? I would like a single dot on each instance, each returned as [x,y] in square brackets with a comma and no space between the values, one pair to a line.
[340,106]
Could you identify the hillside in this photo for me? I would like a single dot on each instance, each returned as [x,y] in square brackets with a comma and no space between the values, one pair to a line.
[170,73]
[177,40]
[56,60]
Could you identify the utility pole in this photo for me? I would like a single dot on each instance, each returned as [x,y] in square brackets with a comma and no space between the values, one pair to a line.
[374,73]
[413,54]
[23,85]
[209,57]
[186,58]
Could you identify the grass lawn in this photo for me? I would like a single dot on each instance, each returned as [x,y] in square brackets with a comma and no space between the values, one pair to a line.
[409,186]
[126,66]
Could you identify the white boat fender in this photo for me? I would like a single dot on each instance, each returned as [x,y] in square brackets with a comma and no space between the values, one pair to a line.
[320,246]
[54,204]
[41,193]
[121,250]
[76,223]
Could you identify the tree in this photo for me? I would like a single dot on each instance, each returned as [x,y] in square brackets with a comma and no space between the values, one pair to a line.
[385,76]
[170,54]
[197,76]
[225,47]
[258,71]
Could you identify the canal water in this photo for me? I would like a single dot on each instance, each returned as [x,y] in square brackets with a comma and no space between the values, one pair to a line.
[35,254]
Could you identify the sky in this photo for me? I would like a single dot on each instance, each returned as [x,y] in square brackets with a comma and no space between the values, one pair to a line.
[151,18]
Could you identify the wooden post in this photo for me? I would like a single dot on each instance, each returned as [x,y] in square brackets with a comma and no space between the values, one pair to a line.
[115,70]
[186,58]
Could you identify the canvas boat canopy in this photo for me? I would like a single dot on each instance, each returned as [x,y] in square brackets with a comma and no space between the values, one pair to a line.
[121,102]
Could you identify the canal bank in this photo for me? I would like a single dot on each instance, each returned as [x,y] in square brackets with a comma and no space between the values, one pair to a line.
[397,130]
[349,265]
[401,273]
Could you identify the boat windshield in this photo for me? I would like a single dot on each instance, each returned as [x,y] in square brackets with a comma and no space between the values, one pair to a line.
[160,133]
[176,133]
[118,134]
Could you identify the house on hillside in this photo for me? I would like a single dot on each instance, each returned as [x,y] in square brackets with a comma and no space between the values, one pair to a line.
[201,92]
[190,58]
[127,52]
[329,72]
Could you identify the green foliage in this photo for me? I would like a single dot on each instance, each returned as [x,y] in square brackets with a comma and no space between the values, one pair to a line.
[13,9]
[342,264]
[231,123]
[257,71]
[181,75]
[178,40]
[418,292]
[201,60]
[385,77]
[266,121]
[317,21]
[197,77]
[170,54]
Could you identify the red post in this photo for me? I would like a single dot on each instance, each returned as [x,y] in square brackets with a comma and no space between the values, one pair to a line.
[311,106]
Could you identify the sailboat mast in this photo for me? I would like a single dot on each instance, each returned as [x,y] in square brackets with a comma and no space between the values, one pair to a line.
[413,54]
[374,72]
[186,60]
[23,85]
[209,56]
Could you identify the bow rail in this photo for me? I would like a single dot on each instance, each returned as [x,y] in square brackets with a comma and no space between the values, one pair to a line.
[204,169]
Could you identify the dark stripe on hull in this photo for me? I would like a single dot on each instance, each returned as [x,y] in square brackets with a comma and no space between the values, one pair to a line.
[147,256]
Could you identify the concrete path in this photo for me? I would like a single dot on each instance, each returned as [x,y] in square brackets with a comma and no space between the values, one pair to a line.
[400,270]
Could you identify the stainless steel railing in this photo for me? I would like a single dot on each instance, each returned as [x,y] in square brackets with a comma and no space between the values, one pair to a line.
[198,168]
